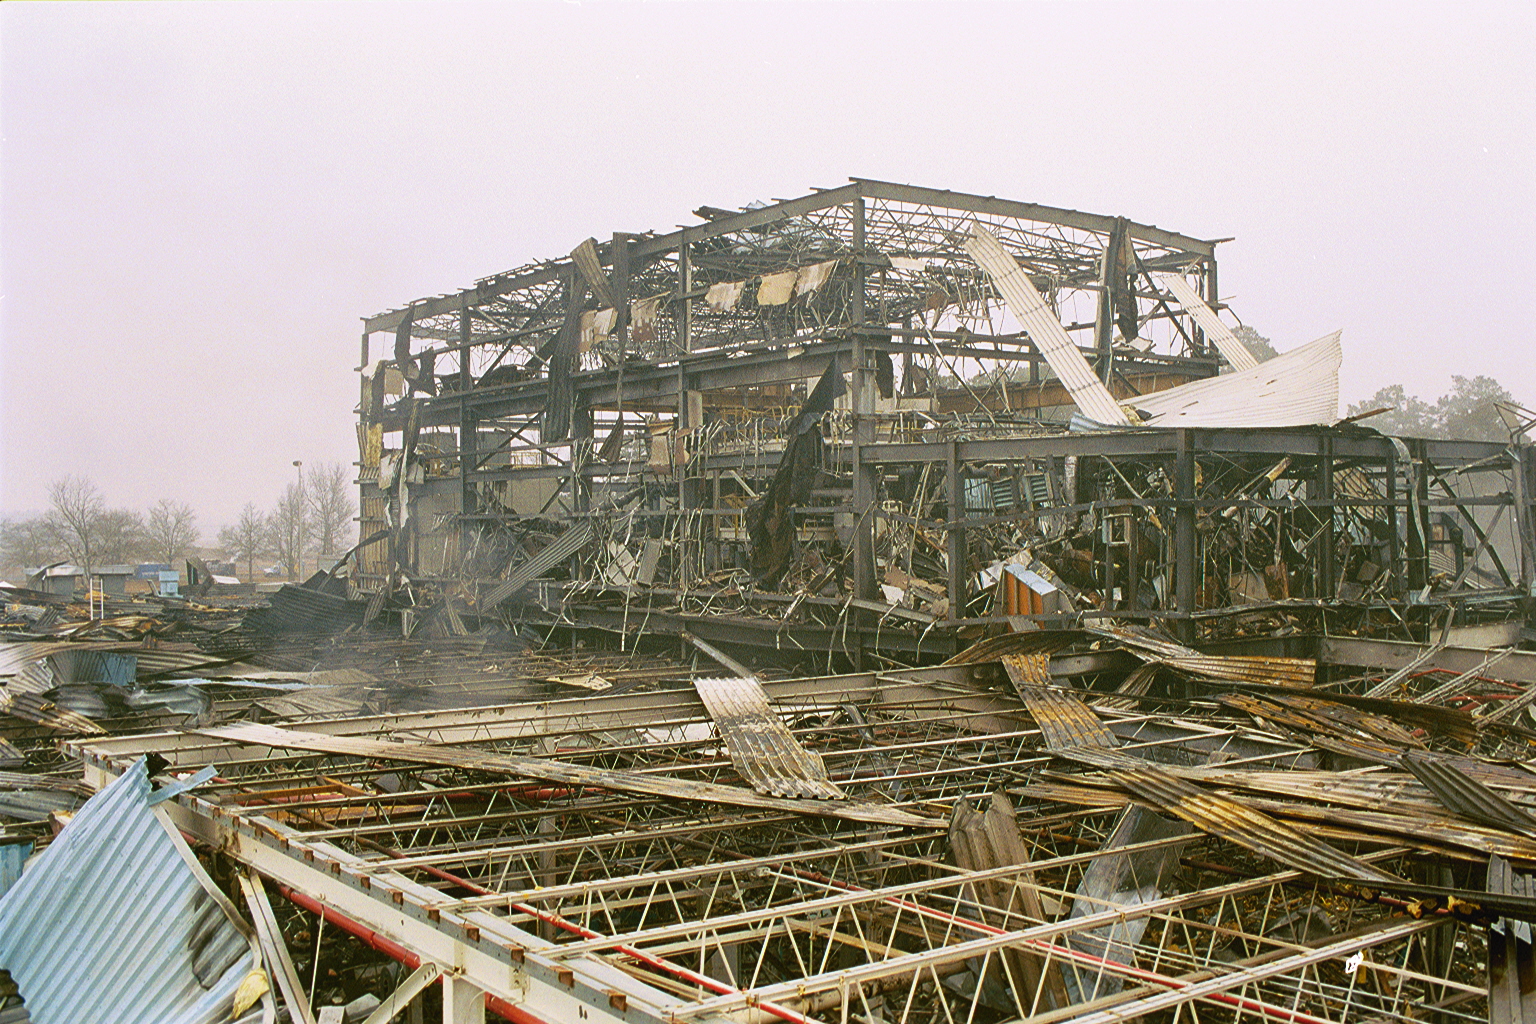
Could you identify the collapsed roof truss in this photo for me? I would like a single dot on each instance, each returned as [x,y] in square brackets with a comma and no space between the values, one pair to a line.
[551,898]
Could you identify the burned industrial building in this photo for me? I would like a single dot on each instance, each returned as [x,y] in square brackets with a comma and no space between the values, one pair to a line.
[886,605]
[885,419]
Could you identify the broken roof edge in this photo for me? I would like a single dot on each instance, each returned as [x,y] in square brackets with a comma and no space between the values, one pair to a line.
[540,272]
[1296,388]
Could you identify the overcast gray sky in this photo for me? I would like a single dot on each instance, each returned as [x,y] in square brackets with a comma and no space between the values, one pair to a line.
[201,200]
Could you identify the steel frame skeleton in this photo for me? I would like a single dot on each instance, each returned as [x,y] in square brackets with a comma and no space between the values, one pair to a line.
[622,388]
[568,902]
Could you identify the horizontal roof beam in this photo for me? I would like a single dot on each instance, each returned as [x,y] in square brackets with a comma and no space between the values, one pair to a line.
[746,220]
[995,207]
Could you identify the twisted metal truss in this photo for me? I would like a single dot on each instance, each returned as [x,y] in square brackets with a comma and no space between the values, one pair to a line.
[683,910]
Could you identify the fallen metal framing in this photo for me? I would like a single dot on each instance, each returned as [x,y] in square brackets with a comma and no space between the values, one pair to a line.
[565,901]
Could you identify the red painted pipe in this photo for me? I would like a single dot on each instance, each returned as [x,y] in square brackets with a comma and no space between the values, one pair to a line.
[555,920]
[397,952]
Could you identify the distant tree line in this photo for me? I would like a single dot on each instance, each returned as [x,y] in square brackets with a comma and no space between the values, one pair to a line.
[79,527]
[1468,411]
[312,517]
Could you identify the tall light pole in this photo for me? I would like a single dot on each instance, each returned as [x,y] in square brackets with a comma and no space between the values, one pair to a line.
[298,524]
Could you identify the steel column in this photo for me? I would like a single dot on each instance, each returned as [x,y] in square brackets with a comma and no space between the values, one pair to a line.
[954,534]
[1184,541]
[463,1003]
[862,400]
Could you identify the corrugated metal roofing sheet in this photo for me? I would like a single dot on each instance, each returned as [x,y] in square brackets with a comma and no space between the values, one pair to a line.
[1044,329]
[1065,721]
[298,609]
[563,547]
[1227,343]
[760,744]
[1235,821]
[1296,389]
[1466,796]
[116,922]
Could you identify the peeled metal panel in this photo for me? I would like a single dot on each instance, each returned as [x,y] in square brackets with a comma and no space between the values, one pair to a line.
[760,744]
[566,545]
[1299,388]
[591,266]
[1227,343]
[1238,823]
[1058,348]
[115,922]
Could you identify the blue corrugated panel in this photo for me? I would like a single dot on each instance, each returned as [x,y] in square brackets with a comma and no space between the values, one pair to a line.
[115,922]
[12,857]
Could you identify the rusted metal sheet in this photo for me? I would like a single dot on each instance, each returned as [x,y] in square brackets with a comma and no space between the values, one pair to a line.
[559,771]
[761,747]
[1329,724]
[1238,823]
[1065,721]
[38,709]
[1028,669]
[1293,672]
[1036,641]
[1466,796]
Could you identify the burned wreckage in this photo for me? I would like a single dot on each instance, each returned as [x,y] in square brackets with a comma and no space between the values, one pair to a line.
[888,605]
[868,425]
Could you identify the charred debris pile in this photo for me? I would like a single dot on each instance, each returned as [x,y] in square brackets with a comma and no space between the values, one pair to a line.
[889,605]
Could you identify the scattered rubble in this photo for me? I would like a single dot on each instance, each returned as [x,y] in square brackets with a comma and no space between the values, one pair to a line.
[875,606]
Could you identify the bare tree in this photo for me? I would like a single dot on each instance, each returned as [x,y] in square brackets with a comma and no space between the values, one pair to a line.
[27,543]
[330,505]
[74,515]
[246,539]
[171,527]
[285,528]
[120,537]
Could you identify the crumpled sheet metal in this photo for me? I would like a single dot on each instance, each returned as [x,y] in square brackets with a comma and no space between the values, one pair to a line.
[35,708]
[1328,724]
[117,922]
[1035,641]
[761,746]
[1463,794]
[1240,824]
[1292,672]
[1298,388]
